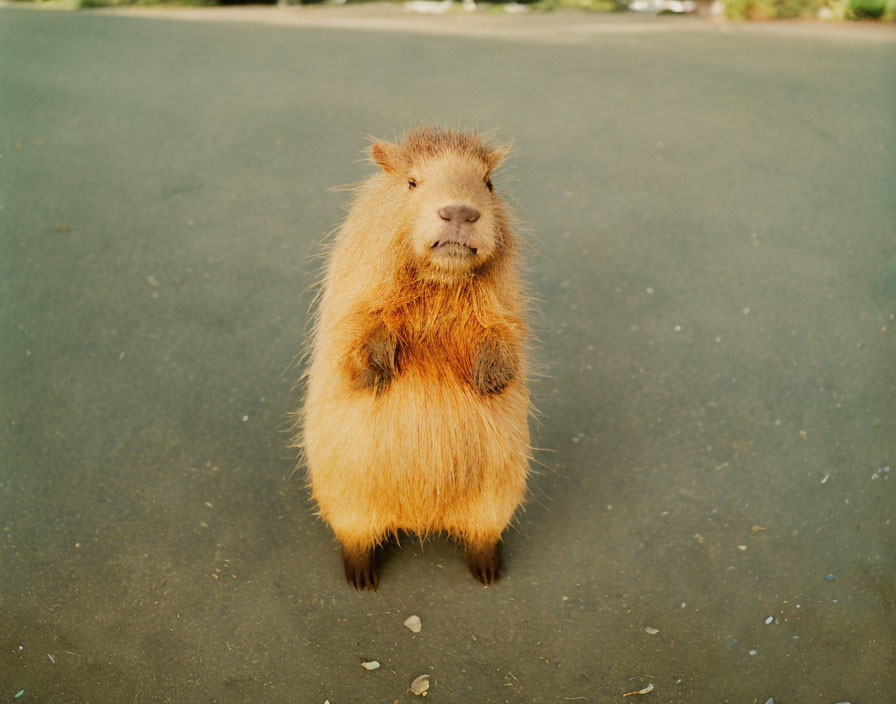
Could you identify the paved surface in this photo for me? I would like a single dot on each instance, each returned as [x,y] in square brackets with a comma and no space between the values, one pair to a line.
[713,228]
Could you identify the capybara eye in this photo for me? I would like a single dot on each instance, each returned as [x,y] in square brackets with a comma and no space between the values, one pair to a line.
[488,184]
[412,183]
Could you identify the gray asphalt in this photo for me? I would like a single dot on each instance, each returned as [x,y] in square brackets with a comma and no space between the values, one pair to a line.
[713,229]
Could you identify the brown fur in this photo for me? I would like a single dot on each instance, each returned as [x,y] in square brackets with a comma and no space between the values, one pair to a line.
[415,417]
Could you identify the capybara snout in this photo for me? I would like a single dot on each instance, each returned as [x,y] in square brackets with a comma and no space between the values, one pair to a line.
[458,229]
[457,215]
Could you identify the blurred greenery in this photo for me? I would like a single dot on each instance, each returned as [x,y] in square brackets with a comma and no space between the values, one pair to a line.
[759,10]
[87,4]
[599,5]
[825,9]
[867,9]
[771,9]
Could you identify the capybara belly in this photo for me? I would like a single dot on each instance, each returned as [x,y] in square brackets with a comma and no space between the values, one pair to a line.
[414,457]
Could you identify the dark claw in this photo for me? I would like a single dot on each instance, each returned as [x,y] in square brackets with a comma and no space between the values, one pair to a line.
[376,379]
[360,569]
[486,563]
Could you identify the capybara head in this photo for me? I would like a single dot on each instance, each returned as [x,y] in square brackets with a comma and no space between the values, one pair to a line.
[441,182]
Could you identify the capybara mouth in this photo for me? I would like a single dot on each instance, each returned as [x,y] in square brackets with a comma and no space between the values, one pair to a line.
[453,249]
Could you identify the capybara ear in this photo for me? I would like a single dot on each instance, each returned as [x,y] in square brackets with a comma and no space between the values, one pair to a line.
[387,156]
[495,156]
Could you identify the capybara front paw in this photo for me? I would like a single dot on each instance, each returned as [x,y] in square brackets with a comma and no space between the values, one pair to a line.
[494,365]
[360,568]
[486,562]
[382,360]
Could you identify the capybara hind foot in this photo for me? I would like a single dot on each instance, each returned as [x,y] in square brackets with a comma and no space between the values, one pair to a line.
[486,562]
[360,568]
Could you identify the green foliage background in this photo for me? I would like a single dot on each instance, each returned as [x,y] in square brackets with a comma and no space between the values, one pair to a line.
[734,9]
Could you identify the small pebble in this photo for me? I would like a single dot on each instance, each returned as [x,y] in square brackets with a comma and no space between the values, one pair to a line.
[752,652]
[651,630]
[420,684]
[19,694]
[683,604]
[413,624]
[829,577]
[769,620]
[372,665]
[741,547]
[769,701]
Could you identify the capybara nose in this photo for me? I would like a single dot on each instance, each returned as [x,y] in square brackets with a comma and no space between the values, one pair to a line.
[458,214]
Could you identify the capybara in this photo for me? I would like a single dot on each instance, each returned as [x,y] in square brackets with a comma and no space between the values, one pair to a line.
[416,411]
